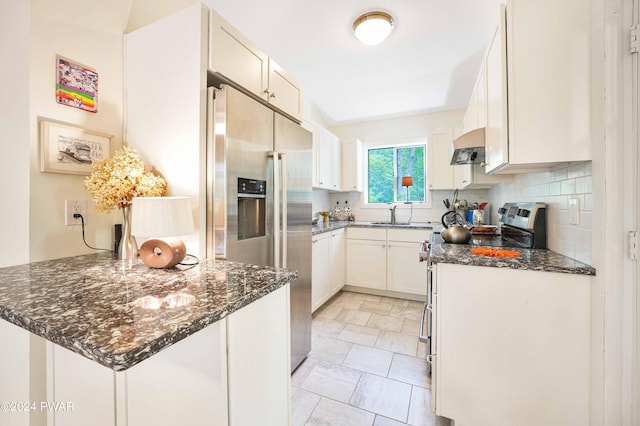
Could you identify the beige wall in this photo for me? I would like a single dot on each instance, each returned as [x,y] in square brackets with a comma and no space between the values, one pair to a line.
[99,48]
[14,137]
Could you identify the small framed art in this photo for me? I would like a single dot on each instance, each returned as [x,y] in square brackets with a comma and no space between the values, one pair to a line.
[76,85]
[67,148]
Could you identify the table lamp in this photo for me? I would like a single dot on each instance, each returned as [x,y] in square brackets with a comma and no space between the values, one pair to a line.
[407,181]
[162,219]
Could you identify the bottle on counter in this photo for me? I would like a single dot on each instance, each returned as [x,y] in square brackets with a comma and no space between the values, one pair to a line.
[337,211]
[347,211]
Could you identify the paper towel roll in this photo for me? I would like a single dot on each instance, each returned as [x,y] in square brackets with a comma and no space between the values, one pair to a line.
[162,253]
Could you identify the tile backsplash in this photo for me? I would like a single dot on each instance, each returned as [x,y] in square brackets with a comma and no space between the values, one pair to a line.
[555,188]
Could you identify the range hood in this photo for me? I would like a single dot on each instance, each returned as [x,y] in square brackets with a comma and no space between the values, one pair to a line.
[469,148]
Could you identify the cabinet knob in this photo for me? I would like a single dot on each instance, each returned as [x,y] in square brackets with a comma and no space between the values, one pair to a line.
[265,91]
[273,95]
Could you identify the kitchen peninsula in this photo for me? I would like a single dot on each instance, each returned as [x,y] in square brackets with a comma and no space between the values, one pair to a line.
[128,344]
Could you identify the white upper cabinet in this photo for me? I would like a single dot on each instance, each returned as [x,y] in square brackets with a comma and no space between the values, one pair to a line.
[496,139]
[239,61]
[327,158]
[352,165]
[234,57]
[439,149]
[283,91]
[538,86]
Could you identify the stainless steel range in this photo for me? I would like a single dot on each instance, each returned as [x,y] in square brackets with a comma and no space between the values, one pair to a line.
[521,225]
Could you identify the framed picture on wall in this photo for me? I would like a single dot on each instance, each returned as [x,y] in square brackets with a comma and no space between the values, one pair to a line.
[67,148]
[76,85]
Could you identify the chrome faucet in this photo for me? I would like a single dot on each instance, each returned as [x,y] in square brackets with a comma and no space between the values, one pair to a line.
[392,209]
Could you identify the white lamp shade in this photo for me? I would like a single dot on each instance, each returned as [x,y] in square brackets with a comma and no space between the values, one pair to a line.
[372,28]
[161,216]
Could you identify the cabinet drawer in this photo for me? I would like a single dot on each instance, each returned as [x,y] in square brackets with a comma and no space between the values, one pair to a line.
[367,234]
[408,235]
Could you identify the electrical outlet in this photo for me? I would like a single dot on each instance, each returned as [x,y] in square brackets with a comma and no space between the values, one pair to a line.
[574,211]
[72,207]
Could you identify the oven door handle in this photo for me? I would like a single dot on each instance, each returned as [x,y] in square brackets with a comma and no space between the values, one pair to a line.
[423,336]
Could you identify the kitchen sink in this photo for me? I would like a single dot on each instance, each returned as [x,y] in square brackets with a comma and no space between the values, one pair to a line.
[390,224]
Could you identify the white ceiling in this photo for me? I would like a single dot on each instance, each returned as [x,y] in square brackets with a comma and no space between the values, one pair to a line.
[428,64]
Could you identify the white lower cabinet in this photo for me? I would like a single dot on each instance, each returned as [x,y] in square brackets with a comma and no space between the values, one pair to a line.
[405,274]
[210,377]
[259,364]
[386,259]
[367,263]
[524,336]
[327,265]
[337,258]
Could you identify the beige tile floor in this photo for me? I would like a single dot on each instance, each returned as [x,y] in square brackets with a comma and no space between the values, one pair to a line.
[366,367]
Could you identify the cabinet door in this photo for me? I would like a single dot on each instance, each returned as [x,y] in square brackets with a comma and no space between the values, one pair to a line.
[259,362]
[440,148]
[337,261]
[284,92]
[314,152]
[352,165]
[191,374]
[319,271]
[324,157]
[85,383]
[367,263]
[336,163]
[481,96]
[496,140]
[462,176]
[233,56]
[549,80]
[488,321]
[405,273]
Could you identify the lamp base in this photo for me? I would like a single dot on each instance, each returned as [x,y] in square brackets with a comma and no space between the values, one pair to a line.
[162,253]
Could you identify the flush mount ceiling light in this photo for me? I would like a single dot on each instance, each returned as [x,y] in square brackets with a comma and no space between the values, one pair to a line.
[373,27]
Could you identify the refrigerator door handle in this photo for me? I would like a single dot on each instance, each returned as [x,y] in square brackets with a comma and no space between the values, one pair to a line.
[276,209]
[283,179]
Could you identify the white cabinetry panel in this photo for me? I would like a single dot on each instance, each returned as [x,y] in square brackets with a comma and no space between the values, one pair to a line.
[233,56]
[524,335]
[239,61]
[367,263]
[352,165]
[259,362]
[197,374]
[440,148]
[386,259]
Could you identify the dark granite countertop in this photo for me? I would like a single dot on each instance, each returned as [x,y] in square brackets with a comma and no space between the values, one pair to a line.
[322,227]
[531,259]
[119,313]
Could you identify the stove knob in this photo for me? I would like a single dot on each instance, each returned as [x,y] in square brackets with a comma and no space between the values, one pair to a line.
[502,210]
[524,213]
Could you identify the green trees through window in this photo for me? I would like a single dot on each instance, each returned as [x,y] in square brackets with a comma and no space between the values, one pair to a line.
[386,168]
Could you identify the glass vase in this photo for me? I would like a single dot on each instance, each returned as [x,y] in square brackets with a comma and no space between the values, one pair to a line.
[127,249]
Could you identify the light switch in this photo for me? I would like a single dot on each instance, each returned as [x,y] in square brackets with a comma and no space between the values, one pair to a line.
[574,211]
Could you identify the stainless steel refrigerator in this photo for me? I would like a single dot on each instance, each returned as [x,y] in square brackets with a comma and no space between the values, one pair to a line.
[259,166]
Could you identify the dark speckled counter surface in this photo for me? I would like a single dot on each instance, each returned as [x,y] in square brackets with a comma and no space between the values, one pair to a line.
[119,313]
[530,259]
[322,227]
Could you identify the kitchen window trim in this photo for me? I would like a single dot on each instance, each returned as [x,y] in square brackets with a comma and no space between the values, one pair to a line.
[364,204]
